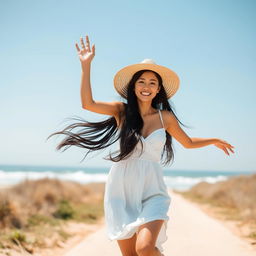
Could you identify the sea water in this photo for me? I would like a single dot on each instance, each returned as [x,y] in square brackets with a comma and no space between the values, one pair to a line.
[174,179]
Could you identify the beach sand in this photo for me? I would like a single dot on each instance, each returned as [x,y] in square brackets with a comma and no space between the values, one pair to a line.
[190,232]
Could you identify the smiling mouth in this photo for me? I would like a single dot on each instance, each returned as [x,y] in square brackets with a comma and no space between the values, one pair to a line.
[145,93]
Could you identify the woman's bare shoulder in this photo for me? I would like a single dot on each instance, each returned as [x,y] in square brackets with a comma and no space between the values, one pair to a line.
[168,117]
[121,105]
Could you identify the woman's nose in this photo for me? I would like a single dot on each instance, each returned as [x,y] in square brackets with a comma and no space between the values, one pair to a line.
[146,84]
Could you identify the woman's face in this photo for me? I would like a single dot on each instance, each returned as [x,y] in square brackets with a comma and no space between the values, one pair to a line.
[147,86]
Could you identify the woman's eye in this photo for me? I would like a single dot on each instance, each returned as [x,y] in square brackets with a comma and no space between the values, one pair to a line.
[151,84]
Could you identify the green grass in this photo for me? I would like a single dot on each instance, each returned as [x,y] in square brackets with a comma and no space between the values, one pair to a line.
[38,219]
[32,211]
[89,213]
[64,210]
[17,235]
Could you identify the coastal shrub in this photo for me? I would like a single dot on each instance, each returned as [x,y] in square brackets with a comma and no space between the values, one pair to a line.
[64,234]
[5,208]
[237,192]
[9,213]
[38,219]
[91,216]
[64,210]
[17,235]
[38,207]
[16,222]
[47,201]
[89,212]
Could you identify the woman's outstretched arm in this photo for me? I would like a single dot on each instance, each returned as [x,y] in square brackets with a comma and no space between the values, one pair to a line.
[86,55]
[174,129]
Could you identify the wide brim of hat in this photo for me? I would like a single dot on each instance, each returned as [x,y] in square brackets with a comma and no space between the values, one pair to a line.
[170,79]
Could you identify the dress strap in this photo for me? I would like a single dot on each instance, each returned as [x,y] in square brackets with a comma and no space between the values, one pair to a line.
[161,117]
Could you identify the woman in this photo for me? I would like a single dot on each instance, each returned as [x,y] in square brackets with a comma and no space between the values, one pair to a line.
[136,200]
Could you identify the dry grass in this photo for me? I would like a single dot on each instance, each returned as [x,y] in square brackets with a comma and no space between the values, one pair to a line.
[33,211]
[233,200]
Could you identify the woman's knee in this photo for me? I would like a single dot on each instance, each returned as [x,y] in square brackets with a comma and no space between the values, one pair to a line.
[127,246]
[145,249]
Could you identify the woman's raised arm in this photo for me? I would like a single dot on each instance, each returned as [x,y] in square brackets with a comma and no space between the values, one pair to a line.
[86,55]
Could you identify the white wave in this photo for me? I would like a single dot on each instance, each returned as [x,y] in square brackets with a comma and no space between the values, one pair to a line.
[184,183]
[78,176]
[176,182]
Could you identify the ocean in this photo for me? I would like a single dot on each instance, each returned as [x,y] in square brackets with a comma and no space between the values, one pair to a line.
[175,179]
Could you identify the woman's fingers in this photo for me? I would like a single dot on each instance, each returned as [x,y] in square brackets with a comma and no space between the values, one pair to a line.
[229,146]
[87,43]
[225,150]
[82,43]
[77,47]
[85,54]
[222,146]
[231,150]
[225,147]
[86,46]
[93,49]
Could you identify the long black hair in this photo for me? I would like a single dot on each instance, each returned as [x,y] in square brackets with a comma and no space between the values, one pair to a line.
[99,135]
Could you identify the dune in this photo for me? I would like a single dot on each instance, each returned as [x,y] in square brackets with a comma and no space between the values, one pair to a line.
[190,232]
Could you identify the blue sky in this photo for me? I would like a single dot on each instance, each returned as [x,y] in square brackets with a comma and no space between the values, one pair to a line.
[209,44]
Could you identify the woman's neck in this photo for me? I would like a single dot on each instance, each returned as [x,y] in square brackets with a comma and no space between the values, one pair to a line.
[145,108]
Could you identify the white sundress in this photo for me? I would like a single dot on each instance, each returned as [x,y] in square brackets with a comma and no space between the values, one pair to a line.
[135,192]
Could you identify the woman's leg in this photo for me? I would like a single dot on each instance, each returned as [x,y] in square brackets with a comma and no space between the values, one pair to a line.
[127,246]
[146,238]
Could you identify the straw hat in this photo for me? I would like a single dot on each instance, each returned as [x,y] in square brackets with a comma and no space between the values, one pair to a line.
[123,76]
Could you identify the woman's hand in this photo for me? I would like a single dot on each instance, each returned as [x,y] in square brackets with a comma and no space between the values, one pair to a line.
[86,54]
[222,144]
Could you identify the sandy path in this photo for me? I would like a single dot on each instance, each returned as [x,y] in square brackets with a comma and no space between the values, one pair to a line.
[190,232]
